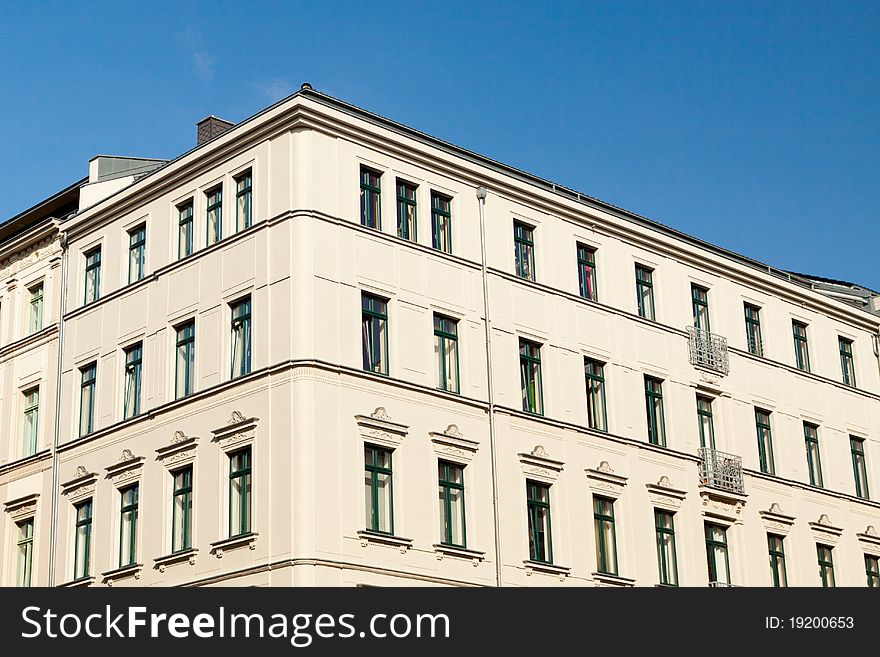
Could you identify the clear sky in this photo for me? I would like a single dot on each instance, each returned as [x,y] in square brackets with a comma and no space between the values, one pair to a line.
[751,125]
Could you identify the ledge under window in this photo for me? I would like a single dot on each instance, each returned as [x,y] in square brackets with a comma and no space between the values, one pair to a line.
[366,537]
[607,579]
[547,568]
[132,570]
[233,543]
[443,550]
[169,559]
[77,583]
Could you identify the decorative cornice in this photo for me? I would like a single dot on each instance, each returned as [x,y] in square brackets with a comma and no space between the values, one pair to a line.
[31,255]
[546,568]
[776,521]
[368,537]
[227,544]
[722,505]
[664,495]
[112,576]
[537,464]
[442,550]
[607,579]
[81,486]
[239,430]
[378,428]
[603,480]
[869,540]
[160,563]
[181,450]
[451,444]
[22,508]
[824,531]
[126,470]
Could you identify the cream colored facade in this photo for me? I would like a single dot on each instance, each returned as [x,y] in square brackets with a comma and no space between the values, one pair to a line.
[307,408]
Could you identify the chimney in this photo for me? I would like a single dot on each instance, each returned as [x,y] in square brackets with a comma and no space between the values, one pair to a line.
[211,127]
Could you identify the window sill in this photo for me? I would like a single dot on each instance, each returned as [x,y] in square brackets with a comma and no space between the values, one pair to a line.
[233,543]
[366,537]
[82,582]
[607,579]
[547,568]
[177,557]
[443,550]
[132,570]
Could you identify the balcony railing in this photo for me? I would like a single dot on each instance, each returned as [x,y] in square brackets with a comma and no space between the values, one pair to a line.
[707,350]
[721,470]
[722,585]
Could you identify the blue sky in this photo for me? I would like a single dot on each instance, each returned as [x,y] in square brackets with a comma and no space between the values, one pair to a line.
[751,125]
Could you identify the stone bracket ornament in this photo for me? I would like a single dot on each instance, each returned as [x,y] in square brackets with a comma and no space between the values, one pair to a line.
[725,506]
[453,446]
[538,465]
[238,431]
[664,495]
[112,576]
[81,486]
[229,544]
[126,470]
[377,428]
[181,451]
[22,508]
[869,540]
[441,551]
[602,479]
[607,579]
[775,521]
[189,556]
[825,532]
[375,538]
[546,568]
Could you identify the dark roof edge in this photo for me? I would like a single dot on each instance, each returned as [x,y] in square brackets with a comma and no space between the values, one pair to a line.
[10,228]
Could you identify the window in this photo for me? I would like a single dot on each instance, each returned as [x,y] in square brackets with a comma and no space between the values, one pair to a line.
[452,522]
[705,422]
[872,569]
[214,215]
[645,291]
[25,549]
[538,505]
[700,303]
[406,211]
[240,492]
[826,566]
[765,441]
[446,352]
[441,222]
[31,422]
[82,544]
[243,201]
[133,365]
[664,524]
[137,250]
[777,560]
[185,361]
[814,462]
[378,492]
[35,317]
[93,275]
[88,375]
[185,229]
[530,376]
[586,262]
[847,366]
[716,555]
[181,510]
[241,337]
[606,541]
[594,373]
[654,406]
[370,194]
[524,250]
[753,330]
[801,348]
[128,518]
[860,471]
[374,328]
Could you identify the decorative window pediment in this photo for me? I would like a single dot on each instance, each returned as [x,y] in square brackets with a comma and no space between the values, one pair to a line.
[127,470]
[825,532]
[238,432]
[538,465]
[776,521]
[869,540]
[378,429]
[603,480]
[22,508]
[181,450]
[453,446]
[81,486]
[664,495]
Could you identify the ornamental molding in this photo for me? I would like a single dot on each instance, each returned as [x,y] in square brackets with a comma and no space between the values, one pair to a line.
[547,569]
[602,479]
[189,556]
[375,538]
[776,521]
[379,429]
[664,495]
[81,486]
[30,256]
[452,445]
[723,506]
[869,540]
[475,556]
[607,579]
[180,451]
[22,508]
[228,544]
[126,470]
[824,531]
[238,430]
[125,572]
[538,465]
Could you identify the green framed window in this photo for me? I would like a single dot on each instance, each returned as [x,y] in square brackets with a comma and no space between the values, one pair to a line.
[243,201]
[131,404]
[530,376]
[128,521]
[814,460]
[214,215]
[754,342]
[645,291]
[378,489]
[25,551]
[717,556]
[406,211]
[451,490]
[185,229]
[860,470]
[700,305]
[847,365]
[872,570]
[88,378]
[374,333]
[586,264]
[371,207]
[82,541]
[137,253]
[705,422]
[606,539]
[446,352]
[776,550]
[35,314]
[594,374]
[826,565]
[538,507]
[181,509]
[524,250]
[654,408]
[664,526]
[241,337]
[93,275]
[31,421]
[765,441]
[441,222]
[185,359]
[240,492]
[801,345]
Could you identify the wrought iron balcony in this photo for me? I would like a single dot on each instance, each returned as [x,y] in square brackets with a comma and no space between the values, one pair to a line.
[721,470]
[707,350]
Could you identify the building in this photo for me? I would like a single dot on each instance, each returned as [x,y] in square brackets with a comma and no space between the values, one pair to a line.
[273,354]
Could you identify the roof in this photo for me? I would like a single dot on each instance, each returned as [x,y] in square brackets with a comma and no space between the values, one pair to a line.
[58,205]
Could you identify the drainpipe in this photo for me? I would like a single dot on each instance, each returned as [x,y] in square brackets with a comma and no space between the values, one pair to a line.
[62,238]
[482,192]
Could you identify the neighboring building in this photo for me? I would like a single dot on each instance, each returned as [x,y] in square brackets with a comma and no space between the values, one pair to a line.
[274,362]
